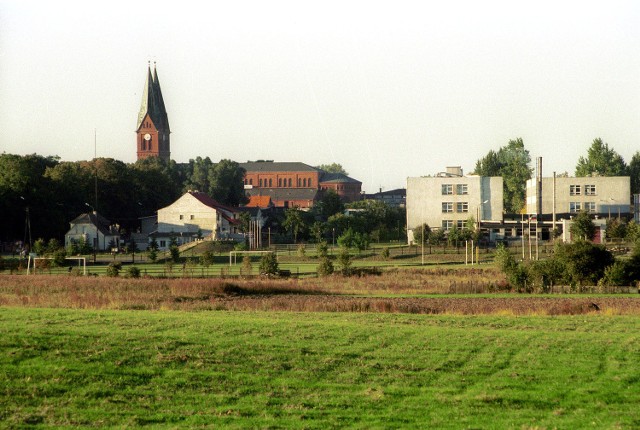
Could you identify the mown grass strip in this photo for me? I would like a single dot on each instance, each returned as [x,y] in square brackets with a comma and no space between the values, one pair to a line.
[65,368]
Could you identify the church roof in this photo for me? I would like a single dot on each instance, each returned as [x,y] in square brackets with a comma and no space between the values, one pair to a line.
[337,177]
[152,102]
[277,166]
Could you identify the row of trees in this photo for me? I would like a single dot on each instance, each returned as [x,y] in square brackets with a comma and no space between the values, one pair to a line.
[55,192]
[513,163]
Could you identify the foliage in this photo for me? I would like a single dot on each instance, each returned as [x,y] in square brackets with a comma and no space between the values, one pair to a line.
[601,161]
[133,272]
[633,231]
[583,262]
[325,268]
[39,246]
[152,250]
[417,234]
[329,204]
[301,251]
[615,275]
[59,257]
[385,253]
[344,259]
[317,231]
[293,222]
[583,227]
[347,239]
[113,269]
[633,170]
[269,264]
[226,183]
[616,228]
[333,168]
[246,266]
[512,163]
[322,249]
[207,258]
[174,250]
[245,222]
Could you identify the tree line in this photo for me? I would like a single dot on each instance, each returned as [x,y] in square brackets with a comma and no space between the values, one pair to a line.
[54,192]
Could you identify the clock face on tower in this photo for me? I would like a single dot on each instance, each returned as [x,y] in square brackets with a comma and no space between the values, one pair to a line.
[147,137]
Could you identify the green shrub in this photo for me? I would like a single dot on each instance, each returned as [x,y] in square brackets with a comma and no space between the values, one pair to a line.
[113,269]
[133,272]
[269,264]
[325,268]
[385,253]
[344,258]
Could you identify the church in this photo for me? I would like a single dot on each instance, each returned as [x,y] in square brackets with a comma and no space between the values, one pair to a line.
[152,131]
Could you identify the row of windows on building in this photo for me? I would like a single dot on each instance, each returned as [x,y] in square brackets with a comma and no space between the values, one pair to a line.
[576,190]
[461,207]
[282,182]
[447,224]
[461,189]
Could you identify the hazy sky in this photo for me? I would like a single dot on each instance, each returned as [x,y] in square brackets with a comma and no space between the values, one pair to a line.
[387,89]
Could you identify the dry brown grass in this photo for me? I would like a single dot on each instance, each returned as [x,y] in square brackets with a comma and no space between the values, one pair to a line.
[309,295]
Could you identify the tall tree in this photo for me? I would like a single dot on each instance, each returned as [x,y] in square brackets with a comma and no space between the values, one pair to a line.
[601,161]
[293,222]
[634,172]
[226,183]
[333,168]
[512,163]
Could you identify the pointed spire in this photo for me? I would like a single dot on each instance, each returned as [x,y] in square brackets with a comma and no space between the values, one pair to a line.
[162,111]
[147,102]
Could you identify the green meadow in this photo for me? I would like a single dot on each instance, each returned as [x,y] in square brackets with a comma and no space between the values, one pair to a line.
[219,369]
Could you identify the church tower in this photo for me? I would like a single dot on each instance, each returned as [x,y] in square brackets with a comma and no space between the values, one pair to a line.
[152,132]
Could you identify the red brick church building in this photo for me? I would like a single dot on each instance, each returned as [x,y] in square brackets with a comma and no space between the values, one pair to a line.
[152,129]
[289,184]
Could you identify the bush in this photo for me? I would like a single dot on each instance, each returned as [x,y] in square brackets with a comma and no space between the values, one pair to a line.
[269,264]
[246,268]
[325,268]
[385,253]
[133,272]
[59,257]
[113,269]
[615,275]
[344,258]
[207,258]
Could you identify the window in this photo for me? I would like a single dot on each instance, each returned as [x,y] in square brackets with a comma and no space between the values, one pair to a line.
[589,190]
[181,216]
[289,182]
[447,189]
[447,224]
[299,182]
[270,183]
[447,207]
[574,190]
[250,181]
[261,182]
[192,216]
[590,207]
[462,207]
[279,182]
[462,189]
[575,207]
[163,243]
[304,182]
[460,224]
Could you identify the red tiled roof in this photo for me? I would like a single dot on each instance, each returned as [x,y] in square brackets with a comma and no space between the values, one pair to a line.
[259,202]
[206,200]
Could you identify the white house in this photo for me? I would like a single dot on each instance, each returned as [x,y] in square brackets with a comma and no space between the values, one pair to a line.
[94,229]
[193,216]
[450,198]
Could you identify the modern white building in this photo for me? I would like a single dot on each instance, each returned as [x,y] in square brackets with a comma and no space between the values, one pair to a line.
[195,215]
[566,196]
[450,198]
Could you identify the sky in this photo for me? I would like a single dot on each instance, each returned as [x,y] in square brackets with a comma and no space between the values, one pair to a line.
[390,89]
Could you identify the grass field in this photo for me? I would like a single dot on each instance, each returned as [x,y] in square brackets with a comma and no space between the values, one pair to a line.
[66,368]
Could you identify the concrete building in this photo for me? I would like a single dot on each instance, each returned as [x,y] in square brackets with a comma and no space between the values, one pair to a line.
[604,196]
[450,198]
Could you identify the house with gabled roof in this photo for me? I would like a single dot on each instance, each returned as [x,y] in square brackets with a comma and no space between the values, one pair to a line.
[196,216]
[93,229]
